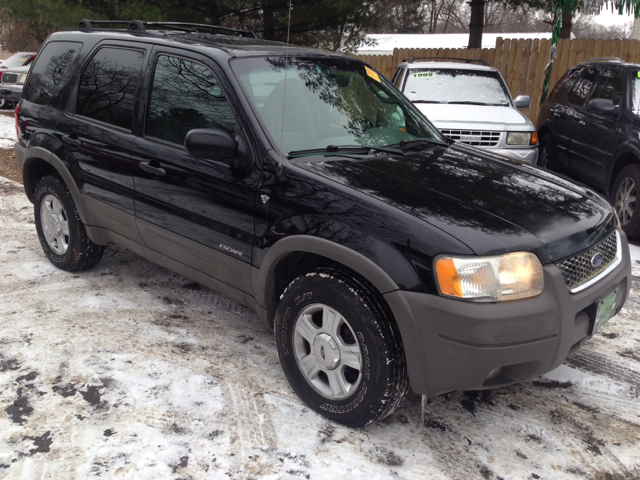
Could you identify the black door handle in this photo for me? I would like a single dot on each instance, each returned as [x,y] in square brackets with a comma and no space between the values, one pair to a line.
[72,140]
[147,167]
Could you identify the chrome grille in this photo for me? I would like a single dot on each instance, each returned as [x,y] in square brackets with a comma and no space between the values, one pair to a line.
[474,137]
[9,77]
[579,269]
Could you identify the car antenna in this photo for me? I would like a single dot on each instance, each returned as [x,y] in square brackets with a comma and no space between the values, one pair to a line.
[286,71]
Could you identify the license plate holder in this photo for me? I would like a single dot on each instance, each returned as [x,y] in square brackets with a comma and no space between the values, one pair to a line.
[605,308]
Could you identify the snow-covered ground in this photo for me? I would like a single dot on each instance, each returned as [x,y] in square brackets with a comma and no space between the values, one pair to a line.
[129,371]
[7,131]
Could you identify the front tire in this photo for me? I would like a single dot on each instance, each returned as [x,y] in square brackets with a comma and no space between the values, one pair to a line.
[624,197]
[61,232]
[543,154]
[340,348]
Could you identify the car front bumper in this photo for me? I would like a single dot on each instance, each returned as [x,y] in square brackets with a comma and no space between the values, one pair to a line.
[11,94]
[458,345]
[526,155]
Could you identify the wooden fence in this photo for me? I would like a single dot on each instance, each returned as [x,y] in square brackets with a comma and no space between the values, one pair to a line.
[521,62]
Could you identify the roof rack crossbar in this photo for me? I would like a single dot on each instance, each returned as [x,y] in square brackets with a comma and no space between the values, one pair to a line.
[138,26]
[463,60]
[132,25]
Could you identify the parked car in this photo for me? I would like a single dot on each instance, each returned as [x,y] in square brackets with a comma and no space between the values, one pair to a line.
[589,128]
[11,84]
[17,60]
[470,103]
[302,184]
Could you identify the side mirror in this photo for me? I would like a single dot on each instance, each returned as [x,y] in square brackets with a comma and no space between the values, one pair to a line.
[522,101]
[603,106]
[212,144]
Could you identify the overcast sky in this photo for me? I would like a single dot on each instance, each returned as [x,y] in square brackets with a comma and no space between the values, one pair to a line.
[606,17]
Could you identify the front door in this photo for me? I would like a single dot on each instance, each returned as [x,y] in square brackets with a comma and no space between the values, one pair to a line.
[197,212]
[600,135]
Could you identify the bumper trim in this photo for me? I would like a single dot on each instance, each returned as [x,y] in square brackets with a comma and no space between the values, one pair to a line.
[498,345]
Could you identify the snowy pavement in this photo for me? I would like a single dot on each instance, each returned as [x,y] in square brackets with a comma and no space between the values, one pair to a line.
[7,131]
[129,371]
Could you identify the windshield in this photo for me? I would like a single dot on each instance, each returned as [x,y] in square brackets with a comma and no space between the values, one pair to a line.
[17,60]
[328,102]
[448,85]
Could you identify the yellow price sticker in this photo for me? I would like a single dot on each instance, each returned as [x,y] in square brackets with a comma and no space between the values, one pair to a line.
[372,74]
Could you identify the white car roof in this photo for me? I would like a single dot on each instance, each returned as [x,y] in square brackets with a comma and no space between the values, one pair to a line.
[448,65]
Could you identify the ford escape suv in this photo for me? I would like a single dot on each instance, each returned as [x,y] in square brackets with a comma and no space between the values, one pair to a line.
[302,184]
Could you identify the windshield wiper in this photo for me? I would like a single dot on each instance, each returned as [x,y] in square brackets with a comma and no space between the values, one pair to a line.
[425,101]
[353,149]
[419,141]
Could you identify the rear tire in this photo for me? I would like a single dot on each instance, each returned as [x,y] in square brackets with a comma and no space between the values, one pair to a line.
[340,348]
[624,197]
[61,232]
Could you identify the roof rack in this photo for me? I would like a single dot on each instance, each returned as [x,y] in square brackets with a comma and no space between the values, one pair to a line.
[450,59]
[602,60]
[139,26]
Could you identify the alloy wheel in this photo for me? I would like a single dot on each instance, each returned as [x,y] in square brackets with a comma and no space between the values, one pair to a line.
[327,351]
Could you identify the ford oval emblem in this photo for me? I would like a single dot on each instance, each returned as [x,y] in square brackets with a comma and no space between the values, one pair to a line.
[597,259]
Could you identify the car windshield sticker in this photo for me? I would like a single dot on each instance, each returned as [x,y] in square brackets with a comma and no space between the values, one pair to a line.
[638,74]
[372,74]
[423,75]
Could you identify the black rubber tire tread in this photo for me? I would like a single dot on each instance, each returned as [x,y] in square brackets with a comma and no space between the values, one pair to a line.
[632,229]
[82,253]
[388,383]
[544,144]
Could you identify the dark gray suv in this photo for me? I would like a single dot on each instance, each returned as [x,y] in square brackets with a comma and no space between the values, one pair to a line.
[589,128]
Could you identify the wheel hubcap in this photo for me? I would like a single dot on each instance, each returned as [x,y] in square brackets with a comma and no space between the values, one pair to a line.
[625,201]
[327,352]
[55,225]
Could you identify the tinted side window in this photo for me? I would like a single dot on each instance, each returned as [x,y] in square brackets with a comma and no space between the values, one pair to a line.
[609,86]
[582,87]
[108,86]
[47,73]
[185,95]
[564,84]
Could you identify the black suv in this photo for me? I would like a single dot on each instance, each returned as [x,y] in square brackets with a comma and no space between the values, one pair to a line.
[302,184]
[589,128]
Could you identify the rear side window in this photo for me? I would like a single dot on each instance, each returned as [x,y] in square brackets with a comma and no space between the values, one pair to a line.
[582,87]
[560,92]
[49,70]
[185,95]
[108,86]
[609,86]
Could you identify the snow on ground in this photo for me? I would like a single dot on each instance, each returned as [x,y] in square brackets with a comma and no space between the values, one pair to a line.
[129,371]
[7,131]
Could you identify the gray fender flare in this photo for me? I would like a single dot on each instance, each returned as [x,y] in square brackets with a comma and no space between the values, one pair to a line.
[262,281]
[38,153]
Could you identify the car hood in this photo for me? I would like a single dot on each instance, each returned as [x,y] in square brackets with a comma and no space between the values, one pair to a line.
[485,117]
[489,203]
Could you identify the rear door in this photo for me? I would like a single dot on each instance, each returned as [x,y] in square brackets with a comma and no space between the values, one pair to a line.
[599,137]
[98,134]
[197,212]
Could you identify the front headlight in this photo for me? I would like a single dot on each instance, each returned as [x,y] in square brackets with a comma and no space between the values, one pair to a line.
[519,138]
[490,279]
